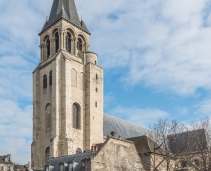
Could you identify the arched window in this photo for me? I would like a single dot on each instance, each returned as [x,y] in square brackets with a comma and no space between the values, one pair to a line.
[44,81]
[68,42]
[76,116]
[47,154]
[57,41]
[48,119]
[48,46]
[79,44]
[50,78]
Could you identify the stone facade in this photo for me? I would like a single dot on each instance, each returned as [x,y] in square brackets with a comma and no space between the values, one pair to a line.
[76,79]
[117,155]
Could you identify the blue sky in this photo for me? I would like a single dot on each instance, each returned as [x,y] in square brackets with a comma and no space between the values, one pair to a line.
[155,54]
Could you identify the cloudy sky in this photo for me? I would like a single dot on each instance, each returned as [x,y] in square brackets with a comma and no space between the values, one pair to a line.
[156,57]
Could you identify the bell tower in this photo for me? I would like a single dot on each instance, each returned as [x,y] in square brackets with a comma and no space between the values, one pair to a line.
[67,88]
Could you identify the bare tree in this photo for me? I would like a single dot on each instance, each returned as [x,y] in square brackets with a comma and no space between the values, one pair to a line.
[169,143]
[199,145]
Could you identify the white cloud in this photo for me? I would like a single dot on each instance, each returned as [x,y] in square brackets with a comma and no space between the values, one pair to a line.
[164,44]
[204,107]
[139,116]
[15,130]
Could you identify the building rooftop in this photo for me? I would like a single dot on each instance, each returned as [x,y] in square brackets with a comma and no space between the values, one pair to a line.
[64,9]
[123,128]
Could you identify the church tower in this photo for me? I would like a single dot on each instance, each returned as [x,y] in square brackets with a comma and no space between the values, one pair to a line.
[67,88]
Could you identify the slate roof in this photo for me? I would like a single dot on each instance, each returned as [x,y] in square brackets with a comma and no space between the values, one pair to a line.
[122,128]
[64,9]
[72,158]
[187,142]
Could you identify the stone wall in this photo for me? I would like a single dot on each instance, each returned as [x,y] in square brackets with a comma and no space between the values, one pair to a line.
[117,155]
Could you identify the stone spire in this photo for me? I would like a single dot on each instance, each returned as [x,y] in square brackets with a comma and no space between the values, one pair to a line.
[64,9]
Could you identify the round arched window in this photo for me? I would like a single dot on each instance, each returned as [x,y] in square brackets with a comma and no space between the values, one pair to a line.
[47,154]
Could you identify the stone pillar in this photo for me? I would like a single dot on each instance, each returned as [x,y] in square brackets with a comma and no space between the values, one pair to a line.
[75,47]
[44,52]
[84,47]
[62,33]
[65,34]
[41,53]
[52,46]
[88,46]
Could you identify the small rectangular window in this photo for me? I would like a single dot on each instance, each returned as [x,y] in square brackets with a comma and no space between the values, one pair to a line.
[95,104]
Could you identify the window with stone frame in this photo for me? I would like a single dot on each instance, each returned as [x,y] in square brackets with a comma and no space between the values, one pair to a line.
[76,116]
[48,47]
[80,44]
[50,78]
[68,42]
[48,116]
[45,81]
[47,154]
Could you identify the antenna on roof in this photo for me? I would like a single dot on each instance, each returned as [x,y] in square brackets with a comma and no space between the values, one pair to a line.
[81,17]
[46,18]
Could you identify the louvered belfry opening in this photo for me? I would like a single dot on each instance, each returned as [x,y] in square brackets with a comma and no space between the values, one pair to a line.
[68,42]
[57,41]
[48,116]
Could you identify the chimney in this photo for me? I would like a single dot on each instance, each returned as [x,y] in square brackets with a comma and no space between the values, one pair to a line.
[113,134]
[8,158]
[92,148]
[96,149]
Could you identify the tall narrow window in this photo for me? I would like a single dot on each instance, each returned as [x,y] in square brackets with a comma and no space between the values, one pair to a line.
[48,46]
[68,42]
[79,44]
[57,41]
[47,154]
[44,81]
[50,78]
[96,77]
[76,116]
